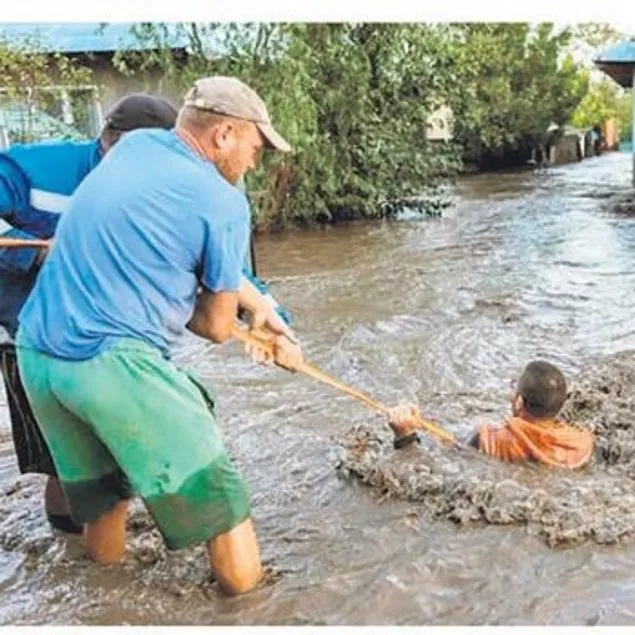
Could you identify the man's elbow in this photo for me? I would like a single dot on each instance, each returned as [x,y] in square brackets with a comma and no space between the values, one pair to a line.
[474,440]
[214,315]
[216,330]
[219,333]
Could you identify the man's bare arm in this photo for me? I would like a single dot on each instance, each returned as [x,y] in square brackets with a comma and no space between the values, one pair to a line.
[265,318]
[214,315]
[263,313]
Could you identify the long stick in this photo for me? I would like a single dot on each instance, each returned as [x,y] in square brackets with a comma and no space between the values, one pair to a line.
[23,243]
[266,346]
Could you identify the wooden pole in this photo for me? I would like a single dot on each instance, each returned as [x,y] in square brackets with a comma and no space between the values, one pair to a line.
[23,243]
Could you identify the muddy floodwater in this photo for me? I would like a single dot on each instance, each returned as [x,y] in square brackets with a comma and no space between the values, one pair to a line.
[445,312]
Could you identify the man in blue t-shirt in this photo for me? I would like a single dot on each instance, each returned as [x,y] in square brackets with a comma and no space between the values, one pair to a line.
[36,184]
[153,244]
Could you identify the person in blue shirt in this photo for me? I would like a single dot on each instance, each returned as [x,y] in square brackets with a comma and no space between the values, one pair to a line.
[251,275]
[36,183]
[153,244]
[250,272]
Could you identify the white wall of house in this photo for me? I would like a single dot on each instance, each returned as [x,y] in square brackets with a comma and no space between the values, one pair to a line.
[439,125]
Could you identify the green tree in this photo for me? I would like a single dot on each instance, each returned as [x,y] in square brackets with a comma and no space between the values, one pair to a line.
[603,101]
[595,35]
[625,117]
[32,80]
[353,99]
[516,81]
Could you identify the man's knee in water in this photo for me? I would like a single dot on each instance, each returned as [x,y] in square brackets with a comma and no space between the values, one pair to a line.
[235,559]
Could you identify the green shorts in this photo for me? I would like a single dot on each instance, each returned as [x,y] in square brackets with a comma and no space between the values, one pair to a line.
[129,416]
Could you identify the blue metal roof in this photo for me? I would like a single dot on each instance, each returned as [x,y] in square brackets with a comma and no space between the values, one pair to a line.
[618,62]
[77,37]
[624,52]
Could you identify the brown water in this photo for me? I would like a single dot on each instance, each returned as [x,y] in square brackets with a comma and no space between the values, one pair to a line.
[445,312]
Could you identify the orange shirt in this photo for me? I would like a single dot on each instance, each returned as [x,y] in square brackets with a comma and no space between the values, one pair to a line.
[549,442]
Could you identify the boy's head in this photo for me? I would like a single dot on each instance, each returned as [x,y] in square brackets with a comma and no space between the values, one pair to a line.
[541,391]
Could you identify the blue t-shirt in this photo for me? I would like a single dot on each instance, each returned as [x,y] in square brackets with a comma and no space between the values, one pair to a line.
[150,224]
[36,182]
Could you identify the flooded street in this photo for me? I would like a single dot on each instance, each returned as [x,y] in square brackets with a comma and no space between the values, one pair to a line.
[445,312]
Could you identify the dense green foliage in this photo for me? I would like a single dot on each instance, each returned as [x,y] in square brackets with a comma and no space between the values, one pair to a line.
[355,99]
[604,100]
[514,85]
[625,117]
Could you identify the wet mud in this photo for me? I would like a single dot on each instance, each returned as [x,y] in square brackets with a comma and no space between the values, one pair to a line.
[623,204]
[25,531]
[564,508]
[23,526]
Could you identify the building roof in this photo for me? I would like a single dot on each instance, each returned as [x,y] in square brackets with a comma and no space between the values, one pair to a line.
[86,37]
[618,62]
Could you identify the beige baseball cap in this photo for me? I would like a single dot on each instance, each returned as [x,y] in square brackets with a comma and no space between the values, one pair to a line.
[229,96]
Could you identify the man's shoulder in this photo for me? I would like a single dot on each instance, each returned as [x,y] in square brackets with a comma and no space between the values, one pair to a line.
[227,204]
[61,164]
[63,148]
[193,185]
[10,169]
[494,431]
[216,200]
[144,136]
[150,148]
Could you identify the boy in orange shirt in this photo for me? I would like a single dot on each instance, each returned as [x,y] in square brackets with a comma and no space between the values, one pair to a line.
[532,433]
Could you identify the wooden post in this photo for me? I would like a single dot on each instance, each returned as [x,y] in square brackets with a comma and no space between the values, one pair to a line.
[5,144]
[67,108]
[96,115]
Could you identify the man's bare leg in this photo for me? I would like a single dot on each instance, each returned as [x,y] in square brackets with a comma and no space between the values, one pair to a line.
[106,537]
[235,559]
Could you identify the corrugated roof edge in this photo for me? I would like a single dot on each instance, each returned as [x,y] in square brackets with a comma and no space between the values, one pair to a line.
[622,53]
[88,37]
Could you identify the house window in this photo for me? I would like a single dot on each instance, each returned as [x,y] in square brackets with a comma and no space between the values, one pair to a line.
[50,113]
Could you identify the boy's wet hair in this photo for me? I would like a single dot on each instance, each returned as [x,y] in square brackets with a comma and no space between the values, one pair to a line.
[543,389]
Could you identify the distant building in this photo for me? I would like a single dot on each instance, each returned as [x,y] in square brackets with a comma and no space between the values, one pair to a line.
[439,125]
[78,112]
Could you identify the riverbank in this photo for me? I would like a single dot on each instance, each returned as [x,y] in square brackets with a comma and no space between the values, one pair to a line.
[571,148]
